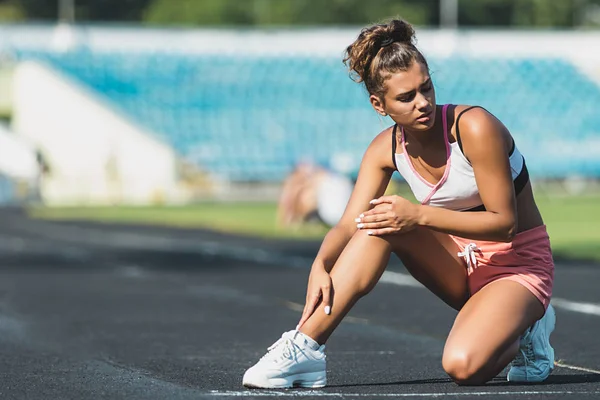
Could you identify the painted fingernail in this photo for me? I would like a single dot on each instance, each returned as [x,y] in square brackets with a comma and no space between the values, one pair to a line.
[327,310]
[370,233]
[297,326]
[360,226]
[357,220]
[361,215]
[372,201]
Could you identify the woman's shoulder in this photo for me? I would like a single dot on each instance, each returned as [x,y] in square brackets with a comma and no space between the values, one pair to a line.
[384,139]
[381,147]
[472,112]
[475,123]
[475,118]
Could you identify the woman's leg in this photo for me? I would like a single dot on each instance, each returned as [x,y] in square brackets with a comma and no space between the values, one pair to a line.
[431,257]
[295,360]
[485,335]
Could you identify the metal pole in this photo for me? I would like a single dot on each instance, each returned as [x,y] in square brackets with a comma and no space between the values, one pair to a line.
[66,11]
[449,14]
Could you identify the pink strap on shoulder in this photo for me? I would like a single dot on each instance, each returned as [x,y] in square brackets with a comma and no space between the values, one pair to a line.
[448,158]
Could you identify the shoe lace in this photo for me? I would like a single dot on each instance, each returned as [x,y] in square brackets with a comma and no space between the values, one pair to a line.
[526,353]
[524,356]
[283,348]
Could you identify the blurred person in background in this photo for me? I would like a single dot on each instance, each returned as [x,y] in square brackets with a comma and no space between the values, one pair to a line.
[313,193]
[476,239]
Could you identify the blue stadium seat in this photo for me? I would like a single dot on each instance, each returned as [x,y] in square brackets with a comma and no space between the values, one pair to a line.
[253,118]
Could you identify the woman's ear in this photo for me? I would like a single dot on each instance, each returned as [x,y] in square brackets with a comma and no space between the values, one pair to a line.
[377,105]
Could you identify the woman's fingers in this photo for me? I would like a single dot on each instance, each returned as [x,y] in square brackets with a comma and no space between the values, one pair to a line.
[326,290]
[375,221]
[309,308]
[373,225]
[383,199]
[383,231]
[372,218]
[375,212]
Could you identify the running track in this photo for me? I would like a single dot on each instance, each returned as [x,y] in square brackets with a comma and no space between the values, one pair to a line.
[91,311]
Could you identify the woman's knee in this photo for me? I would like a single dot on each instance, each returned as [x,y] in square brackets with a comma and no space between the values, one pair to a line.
[462,366]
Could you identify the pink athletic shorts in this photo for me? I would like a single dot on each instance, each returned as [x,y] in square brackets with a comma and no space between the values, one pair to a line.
[526,260]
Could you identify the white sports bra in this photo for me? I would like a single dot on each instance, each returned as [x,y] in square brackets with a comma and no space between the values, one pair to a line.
[457,190]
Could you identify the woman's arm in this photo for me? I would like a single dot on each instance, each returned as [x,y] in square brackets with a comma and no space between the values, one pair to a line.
[373,177]
[486,143]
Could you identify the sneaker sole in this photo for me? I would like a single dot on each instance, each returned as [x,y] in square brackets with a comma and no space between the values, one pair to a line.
[311,380]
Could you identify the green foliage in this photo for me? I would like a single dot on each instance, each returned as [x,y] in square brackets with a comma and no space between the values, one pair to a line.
[287,12]
[533,13]
[485,12]
[11,11]
[86,10]
[543,13]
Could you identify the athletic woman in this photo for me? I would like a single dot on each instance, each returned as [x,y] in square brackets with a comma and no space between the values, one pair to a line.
[476,239]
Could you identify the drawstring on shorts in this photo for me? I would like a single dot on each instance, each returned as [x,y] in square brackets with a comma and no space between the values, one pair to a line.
[469,256]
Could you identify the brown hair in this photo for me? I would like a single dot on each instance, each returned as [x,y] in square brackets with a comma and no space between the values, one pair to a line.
[379,49]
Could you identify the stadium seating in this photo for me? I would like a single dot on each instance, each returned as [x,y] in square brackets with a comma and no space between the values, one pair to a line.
[253,118]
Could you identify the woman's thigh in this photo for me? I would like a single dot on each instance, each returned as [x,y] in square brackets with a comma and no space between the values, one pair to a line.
[432,258]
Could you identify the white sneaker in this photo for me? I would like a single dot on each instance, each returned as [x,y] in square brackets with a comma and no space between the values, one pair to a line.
[290,362]
[535,360]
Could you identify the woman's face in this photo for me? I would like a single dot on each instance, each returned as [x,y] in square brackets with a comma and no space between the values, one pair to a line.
[409,98]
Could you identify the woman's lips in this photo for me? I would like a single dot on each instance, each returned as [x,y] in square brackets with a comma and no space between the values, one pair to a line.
[424,117]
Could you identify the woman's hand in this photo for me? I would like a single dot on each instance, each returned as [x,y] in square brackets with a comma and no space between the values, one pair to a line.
[319,286]
[390,215]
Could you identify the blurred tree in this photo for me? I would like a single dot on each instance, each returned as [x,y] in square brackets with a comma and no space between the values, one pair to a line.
[11,10]
[288,12]
[534,13]
[543,13]
[485,12]
[86,10]
[111,10]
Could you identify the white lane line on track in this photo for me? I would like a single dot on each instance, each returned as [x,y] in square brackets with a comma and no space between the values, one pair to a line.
[316,393]
[576,368]
[584,308]
[401,279]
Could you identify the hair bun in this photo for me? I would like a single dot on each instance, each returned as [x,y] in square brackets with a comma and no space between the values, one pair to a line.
[400,31]
[365,58]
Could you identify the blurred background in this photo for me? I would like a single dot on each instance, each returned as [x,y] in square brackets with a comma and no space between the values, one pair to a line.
[195,112]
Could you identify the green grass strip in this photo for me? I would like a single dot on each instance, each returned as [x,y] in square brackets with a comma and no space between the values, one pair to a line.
[573,222]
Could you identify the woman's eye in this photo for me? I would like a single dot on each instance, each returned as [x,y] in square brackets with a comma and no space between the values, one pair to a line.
[428,88]
[406,99]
